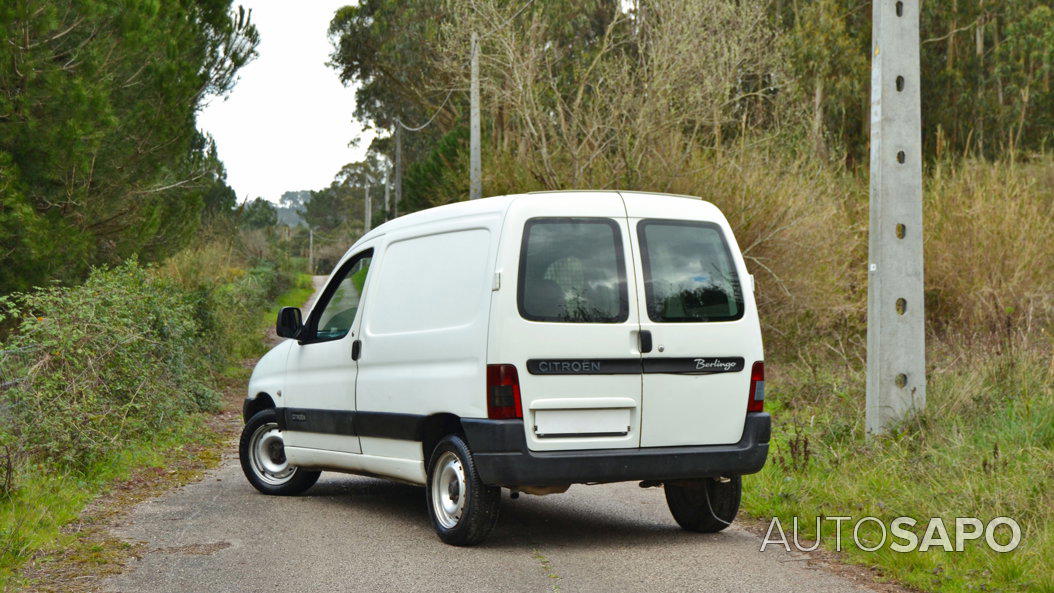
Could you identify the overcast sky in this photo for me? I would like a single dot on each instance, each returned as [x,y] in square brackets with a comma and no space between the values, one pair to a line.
[287,123]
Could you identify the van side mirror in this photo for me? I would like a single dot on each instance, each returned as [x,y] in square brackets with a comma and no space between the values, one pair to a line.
[289,322]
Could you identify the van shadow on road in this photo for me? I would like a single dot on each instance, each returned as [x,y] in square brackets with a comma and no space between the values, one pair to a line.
[592,517]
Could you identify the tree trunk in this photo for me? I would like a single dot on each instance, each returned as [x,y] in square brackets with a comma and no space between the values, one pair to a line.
[819,146]
[717,130]
[950,51]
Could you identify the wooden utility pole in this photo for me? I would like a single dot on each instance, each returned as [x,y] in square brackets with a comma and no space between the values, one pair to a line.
[475,167]
[310,250]
[896,346]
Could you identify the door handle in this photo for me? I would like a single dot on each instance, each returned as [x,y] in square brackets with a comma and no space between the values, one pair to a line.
[356,349]
[645,341]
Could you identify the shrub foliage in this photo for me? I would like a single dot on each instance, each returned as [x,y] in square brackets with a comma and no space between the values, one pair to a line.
[113,358]
[128,353]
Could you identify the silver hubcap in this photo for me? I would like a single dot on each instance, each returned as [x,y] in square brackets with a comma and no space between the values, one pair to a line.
[448,490]
[267,453]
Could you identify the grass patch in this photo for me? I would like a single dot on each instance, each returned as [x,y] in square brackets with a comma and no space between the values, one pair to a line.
[33,517]
[984,448]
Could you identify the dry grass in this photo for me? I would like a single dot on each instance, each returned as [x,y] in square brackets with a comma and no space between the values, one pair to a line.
[990,249]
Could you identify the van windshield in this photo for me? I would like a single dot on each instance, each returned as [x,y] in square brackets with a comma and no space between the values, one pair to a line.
[689,274]
[572,270]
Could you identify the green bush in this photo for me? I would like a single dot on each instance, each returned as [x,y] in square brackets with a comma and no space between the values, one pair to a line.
[103,377]
[113,359]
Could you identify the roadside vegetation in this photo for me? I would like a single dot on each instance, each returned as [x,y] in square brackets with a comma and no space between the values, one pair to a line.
[104,377]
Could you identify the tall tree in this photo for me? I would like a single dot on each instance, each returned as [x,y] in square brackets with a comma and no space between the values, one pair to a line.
[98,146]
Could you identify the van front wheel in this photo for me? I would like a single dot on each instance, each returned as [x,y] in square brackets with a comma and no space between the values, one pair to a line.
[261,451]
[463,509]
[705,505]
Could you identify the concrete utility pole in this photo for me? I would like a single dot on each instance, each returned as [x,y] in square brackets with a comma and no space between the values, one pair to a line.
[368,219]
[475,167]
[896,347]
[387,194]
[398,168]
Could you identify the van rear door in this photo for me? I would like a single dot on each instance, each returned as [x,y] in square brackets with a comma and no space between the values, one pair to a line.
[567,319]
[703,324]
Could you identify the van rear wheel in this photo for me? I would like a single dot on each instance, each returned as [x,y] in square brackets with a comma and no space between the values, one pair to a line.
[462,508]
[705,505]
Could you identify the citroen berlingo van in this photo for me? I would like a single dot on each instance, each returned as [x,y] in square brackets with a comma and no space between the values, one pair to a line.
[526,342]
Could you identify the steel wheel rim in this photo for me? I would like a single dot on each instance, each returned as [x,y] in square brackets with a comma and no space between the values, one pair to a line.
[267,455]
[448,490]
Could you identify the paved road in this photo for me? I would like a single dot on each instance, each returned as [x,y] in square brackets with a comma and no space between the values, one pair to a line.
[361,534]
[351,533]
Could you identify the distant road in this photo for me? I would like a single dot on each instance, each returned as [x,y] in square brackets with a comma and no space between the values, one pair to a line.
[351,533]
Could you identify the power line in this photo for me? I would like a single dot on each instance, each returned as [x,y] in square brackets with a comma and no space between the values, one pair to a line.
[430,120]
[451,91]
[475,166]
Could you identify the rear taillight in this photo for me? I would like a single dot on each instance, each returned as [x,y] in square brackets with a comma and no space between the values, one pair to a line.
[503,392]
[756,397]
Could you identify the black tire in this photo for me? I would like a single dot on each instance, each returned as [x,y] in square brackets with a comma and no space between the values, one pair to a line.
[479,511]
[264,424]
[705,505]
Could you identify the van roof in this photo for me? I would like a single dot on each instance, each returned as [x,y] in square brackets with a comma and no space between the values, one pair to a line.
[491,204]
[620,191]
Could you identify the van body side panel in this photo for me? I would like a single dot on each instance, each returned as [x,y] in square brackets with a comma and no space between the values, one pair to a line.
[425,329]
[580,382]
[406,470]
[704,404]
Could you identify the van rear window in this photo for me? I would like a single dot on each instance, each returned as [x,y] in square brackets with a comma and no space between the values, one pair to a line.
[689,274]
[572,270]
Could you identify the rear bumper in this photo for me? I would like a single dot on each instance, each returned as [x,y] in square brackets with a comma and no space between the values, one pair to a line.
[500,451]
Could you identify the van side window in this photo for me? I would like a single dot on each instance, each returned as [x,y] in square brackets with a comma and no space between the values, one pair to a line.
[338,312]
[689,274]
[572,270]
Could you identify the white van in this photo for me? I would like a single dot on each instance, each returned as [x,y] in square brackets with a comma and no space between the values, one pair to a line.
[528,342]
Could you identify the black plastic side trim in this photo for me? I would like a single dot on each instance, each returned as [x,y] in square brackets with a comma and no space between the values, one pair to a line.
[698,365]
[388,425]
[502,457]
[584,366]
